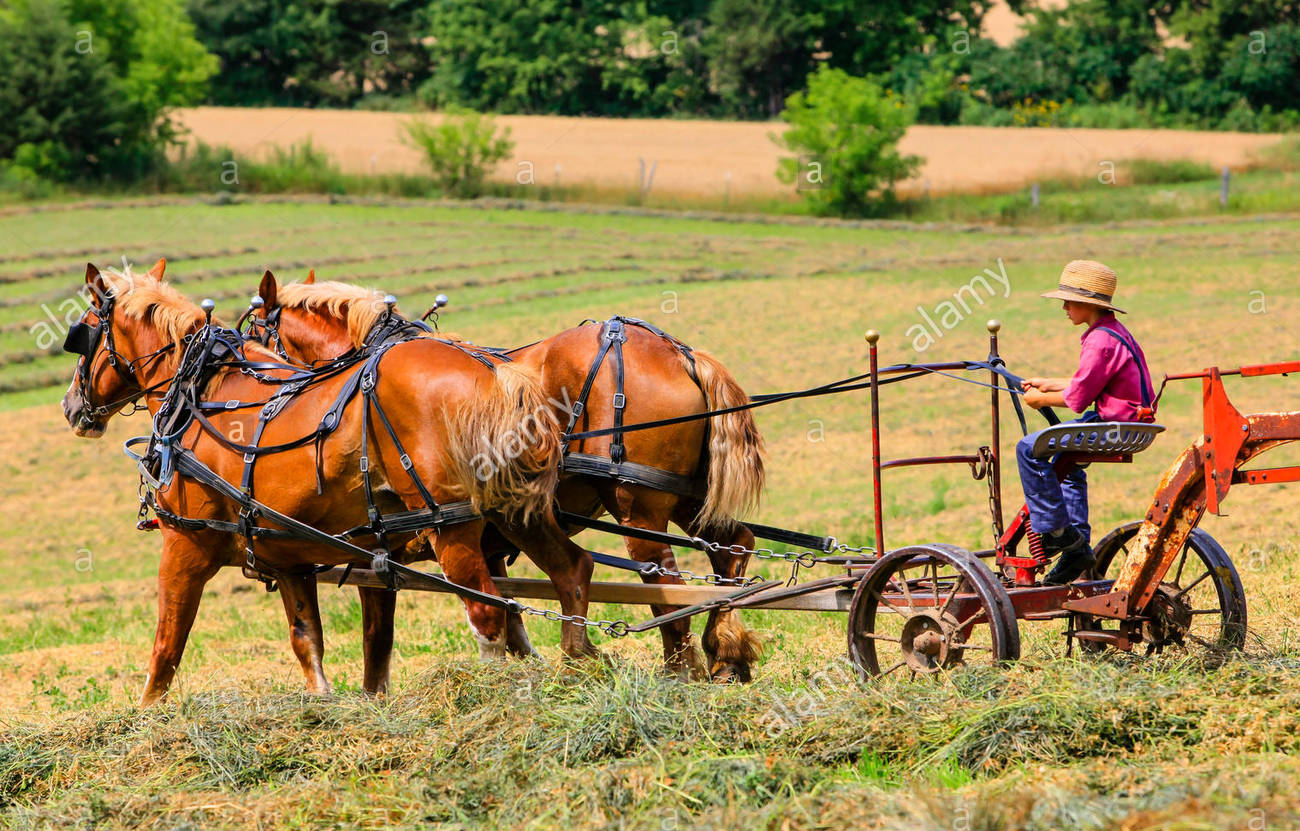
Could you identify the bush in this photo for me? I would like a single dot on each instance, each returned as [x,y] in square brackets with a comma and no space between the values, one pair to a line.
[460,150]
[850,128]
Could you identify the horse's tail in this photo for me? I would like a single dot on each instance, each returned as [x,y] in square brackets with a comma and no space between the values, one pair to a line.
[735,453]
[505,446]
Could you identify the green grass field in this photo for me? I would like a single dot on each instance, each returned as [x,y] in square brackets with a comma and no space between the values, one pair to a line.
[1183,740]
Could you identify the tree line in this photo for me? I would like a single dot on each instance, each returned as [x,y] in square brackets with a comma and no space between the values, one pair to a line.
[85,85]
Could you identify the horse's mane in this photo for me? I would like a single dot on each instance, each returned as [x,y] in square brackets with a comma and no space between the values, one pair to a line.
[360,307]
[142,295]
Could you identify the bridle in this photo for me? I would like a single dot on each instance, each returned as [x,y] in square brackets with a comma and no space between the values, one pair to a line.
[84,340]
[263,329]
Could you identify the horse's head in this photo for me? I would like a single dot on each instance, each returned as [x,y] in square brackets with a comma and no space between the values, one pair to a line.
[312,321]
[127,343]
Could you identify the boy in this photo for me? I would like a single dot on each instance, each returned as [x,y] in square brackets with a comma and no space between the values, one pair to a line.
[1113,376]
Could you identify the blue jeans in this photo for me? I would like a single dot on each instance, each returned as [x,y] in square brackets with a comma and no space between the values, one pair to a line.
[1053,503]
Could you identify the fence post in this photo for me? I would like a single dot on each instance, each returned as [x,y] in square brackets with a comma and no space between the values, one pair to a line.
[1033,194]
[1223,187]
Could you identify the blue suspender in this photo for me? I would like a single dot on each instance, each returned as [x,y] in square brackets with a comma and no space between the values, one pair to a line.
[1132,350]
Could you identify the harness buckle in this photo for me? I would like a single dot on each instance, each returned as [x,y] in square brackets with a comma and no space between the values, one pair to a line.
[578,408]
[407,464]
[232,404]
[249,457]
[367,381]
[620,400]
[365,464]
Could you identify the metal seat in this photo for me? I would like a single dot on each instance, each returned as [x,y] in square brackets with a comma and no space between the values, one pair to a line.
[1107,437]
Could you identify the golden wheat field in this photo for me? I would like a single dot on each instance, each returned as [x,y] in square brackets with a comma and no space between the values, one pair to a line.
[715,158]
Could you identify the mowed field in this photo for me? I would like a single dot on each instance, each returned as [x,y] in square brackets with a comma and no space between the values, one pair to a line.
[714,159]
[1179,740]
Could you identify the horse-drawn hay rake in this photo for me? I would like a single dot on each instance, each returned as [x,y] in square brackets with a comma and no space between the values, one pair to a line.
[315,423]
[931,607]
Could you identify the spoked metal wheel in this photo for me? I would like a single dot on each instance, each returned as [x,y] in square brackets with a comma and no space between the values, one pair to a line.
[927,609]
[1200,601]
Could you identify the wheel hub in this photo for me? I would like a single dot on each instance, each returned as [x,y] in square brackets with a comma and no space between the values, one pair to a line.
[1170,619]
[927,642]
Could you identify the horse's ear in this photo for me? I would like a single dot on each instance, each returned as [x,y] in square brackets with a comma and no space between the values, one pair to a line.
[96,282]
[158,268]
[311,277]
[267,290]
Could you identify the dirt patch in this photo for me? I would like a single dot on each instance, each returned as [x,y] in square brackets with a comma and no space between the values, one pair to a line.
[708,158]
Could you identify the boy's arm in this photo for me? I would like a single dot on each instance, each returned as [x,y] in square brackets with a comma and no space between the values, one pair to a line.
[1039,398]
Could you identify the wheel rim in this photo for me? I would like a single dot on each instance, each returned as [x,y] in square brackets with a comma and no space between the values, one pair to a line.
[1200,602]
[927,610]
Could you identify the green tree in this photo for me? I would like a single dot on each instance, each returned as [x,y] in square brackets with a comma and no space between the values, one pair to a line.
[313,52]
[761,50]
[89,98]
[846,131]
[522,56]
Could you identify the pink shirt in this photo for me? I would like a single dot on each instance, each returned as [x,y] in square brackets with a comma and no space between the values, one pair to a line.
[1108,375]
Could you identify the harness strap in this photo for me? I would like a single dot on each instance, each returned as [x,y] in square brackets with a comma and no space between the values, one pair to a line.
[580,405]
[372,510]
[589,464]
[615,333]
[569,518]
[405,459]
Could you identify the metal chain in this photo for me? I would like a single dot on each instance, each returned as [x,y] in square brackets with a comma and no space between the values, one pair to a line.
[804,559]
[613,628]
[711,579]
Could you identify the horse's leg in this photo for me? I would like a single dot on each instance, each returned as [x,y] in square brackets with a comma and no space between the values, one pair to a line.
[377,607]
[569,569]
[517,641]
[461,556]
[730,647]
[185,569]
[642,507]
[497,548]
[302,608]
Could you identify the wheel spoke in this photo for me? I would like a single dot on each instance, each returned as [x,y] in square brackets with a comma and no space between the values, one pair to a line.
[1206,612]
[975,646]
[877,637]
[891,669]
[879,597]
[957,584]
[1192,585]
[907,593]
[1182,561]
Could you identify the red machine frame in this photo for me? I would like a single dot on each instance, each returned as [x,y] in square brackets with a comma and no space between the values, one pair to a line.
[1181,499]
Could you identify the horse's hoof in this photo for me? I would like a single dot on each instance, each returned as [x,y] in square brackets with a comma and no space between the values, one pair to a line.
[730,674]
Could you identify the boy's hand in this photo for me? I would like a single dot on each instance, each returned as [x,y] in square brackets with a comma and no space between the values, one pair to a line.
[1045,384]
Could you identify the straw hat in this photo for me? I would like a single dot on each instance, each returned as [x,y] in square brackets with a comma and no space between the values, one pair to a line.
[1087,281]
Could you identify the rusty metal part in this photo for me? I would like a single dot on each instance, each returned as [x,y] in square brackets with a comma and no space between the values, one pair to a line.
[1168,620]
[1113,605]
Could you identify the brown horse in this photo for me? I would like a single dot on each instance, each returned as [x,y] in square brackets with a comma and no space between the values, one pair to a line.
[445,407]
[319,321]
